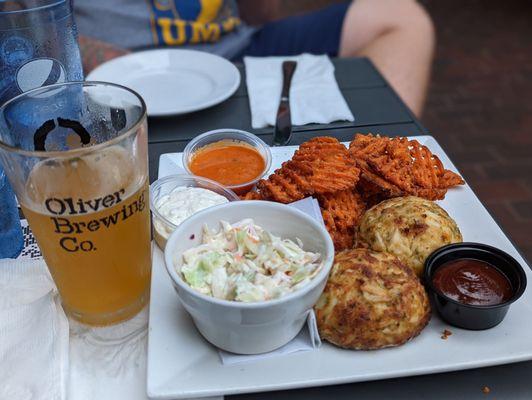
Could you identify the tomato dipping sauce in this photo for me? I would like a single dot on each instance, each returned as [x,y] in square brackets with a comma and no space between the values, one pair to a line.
[473,282]
[229,163]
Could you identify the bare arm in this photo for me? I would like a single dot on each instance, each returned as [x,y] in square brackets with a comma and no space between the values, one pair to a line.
[95,52]
[398,36]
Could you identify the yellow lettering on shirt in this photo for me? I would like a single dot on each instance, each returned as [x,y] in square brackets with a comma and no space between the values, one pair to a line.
[229,24]
[209,10]
[202,33]
[166,29]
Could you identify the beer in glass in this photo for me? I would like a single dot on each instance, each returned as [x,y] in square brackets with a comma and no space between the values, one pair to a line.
[76,156]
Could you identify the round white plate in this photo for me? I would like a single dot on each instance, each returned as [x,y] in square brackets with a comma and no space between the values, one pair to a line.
[172,81]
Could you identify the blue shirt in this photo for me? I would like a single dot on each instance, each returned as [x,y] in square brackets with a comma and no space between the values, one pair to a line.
[210,25]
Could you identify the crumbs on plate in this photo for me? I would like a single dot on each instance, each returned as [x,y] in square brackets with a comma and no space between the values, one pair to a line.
[446,334]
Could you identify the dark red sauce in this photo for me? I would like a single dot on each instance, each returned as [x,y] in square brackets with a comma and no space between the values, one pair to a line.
[472,282]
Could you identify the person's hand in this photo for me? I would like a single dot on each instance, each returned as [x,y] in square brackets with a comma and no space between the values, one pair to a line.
[95,52]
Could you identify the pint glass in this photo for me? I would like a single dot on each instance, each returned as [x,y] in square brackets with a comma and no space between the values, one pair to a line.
[38,45]
[76,157]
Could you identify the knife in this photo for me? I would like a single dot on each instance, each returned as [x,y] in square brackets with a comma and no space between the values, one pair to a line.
[283,123]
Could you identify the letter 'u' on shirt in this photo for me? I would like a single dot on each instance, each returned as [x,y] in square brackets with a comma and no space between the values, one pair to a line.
[180,22]
[172,31]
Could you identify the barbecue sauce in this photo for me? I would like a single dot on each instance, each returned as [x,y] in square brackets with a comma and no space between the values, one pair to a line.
[473,282]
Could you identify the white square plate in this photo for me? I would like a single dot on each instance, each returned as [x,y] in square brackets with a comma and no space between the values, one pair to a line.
[182,364]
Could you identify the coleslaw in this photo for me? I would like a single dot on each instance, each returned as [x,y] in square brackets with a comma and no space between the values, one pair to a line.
[244,262]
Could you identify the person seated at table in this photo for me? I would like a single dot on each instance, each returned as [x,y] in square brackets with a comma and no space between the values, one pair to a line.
[397,35]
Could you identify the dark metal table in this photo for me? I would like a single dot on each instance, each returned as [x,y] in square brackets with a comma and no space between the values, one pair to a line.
[377,109]
[375,106]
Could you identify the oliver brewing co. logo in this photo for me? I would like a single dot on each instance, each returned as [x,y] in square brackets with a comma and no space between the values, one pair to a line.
[20,73]
[66,209]
[39,72]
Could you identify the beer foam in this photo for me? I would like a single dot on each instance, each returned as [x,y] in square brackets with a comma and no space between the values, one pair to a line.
[91,176]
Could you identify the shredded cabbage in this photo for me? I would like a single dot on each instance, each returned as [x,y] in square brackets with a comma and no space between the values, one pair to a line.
[243,262]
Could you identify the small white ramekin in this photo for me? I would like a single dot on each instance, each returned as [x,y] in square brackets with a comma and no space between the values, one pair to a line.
[231,136]
[250,328]
[162,226]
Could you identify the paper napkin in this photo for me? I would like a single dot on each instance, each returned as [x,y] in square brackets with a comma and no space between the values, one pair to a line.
[109,363]
[308,338]
[314,94]
[309,206]
[33,333]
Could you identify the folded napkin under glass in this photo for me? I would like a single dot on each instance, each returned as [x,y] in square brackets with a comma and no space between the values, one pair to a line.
[33,333]
[43,355]
[314,94]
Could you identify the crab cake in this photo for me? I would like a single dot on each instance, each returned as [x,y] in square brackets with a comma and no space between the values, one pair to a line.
[371,301]
[410,228]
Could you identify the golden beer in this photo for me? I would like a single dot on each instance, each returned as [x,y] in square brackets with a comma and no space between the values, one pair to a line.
[76,155]
[91,219]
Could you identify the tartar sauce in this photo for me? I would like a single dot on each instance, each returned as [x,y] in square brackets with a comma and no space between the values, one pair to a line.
[180,204]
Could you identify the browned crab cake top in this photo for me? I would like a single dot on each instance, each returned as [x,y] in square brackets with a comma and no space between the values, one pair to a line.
[371,301]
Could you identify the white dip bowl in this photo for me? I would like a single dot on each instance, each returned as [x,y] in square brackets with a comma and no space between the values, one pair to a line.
[259,327]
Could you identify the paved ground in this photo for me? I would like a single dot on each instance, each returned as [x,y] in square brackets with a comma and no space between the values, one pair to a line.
[479,105]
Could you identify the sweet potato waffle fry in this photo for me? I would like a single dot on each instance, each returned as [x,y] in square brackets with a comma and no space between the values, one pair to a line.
[323,168]
[341,213]
[321,165]
[346,181]
[392,167]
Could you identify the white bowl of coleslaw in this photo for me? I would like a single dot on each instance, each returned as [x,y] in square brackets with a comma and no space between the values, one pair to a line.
[259,302]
